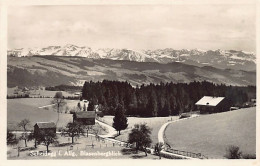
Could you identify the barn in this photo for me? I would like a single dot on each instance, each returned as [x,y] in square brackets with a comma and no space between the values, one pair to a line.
[44,127]
[212,104]
[85,117]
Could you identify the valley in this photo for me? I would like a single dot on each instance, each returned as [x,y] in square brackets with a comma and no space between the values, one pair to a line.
[56,70]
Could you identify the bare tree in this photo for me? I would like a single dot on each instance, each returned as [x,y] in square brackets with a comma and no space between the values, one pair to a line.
[23,124]
[58,102]
[158,148]
[47,137]
[88,127]
[96,132]
[73,129]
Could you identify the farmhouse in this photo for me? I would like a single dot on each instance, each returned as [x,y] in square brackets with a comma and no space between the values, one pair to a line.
[85,117]
[25,89]
[211,104]
[44,127]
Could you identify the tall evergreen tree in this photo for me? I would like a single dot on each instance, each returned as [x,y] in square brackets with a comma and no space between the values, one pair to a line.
[120,120]
[79,106]
[91,106]
[166,109]
[152,107]
[152,100]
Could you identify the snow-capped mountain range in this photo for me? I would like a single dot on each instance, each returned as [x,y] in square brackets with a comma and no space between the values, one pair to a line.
[224,59]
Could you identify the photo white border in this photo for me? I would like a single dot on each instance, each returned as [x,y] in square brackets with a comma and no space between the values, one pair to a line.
[124,162]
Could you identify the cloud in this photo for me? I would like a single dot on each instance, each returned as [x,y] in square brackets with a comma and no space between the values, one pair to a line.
[138,26]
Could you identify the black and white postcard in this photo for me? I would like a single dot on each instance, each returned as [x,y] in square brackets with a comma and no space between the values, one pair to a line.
[167,81]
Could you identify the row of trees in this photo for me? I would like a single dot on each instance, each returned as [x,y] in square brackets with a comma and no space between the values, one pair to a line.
[47,137]
[64,88]
[140,135]
[163,99]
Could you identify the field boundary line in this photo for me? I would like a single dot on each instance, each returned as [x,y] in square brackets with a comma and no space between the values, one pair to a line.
[161,134]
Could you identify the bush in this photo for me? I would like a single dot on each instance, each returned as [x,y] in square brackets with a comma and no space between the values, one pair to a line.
[248,156]
[168,156]
[72,111]
[184,115]
[232,152]
[59,129]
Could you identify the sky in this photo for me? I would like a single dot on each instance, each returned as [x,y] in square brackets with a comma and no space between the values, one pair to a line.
[202,26]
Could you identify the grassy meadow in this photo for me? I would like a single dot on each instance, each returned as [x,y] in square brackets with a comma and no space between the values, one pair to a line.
[211,134]
[63,150]
[19,109]
[155,123]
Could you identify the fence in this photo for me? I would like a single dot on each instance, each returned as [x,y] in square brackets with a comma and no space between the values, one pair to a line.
[188,154]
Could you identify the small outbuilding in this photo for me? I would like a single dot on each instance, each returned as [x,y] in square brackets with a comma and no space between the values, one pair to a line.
[25,89]
[44,127]
[212,104]
[85,117]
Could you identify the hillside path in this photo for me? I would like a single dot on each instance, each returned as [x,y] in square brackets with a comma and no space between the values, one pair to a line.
[111,131]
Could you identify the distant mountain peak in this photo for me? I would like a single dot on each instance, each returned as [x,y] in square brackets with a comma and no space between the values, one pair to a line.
[216,58]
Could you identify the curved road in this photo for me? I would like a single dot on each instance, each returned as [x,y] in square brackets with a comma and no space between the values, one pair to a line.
[162,129]
[161,134]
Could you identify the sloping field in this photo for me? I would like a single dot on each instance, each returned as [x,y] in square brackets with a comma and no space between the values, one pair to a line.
[155,123]
[19,109]
[46,93]
[211,134]
[36,102]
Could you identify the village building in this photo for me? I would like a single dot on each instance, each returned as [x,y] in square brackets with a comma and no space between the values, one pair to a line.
[25,89]
[212,104]
[85,117]
[43,127]
[253,102]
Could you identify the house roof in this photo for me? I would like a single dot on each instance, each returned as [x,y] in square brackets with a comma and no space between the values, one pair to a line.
[85,114]
[45,125]
[209,101]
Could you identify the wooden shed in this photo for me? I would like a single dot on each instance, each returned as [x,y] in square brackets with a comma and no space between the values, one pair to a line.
[212,104]
[85,117]
[44,127]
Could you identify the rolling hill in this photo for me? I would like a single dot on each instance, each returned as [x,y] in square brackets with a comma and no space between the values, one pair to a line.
[56,70]
[211,134]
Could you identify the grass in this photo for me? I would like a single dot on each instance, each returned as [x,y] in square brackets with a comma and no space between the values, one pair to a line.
[19,109]
[155,123]
[51,93]
[211,134]
[45,93]
[35,102]
[63,150]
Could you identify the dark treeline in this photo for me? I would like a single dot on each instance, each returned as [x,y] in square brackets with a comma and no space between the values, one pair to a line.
[163,99]
[18,96]
[64,88]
